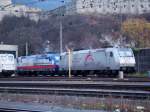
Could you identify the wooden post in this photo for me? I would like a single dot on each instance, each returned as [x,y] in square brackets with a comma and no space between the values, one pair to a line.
[69,62]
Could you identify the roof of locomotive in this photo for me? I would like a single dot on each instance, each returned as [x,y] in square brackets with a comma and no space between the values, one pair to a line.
[41,55]
[95,50]
[88,50]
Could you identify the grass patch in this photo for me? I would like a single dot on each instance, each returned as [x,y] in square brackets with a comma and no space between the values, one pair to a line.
[139,74]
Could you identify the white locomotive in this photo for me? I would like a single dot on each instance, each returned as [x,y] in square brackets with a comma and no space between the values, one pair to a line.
[7,64]
[99,61]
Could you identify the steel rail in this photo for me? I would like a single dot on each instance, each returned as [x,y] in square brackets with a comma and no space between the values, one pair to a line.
[137,79]
[79,92]
[145,86]
[138,90]
[15,110]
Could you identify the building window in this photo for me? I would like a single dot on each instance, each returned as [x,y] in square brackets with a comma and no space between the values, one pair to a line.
[144,11]
[142,6]
[91,5]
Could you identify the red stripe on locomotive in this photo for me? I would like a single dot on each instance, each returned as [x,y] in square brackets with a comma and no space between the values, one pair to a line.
[37,67]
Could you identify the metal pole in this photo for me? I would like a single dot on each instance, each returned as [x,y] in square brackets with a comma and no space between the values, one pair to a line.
[61,50]
[26,48]
[61,28]
[121,20]
[138,61]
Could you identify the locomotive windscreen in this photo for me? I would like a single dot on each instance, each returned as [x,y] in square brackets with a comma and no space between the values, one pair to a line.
[125,52]
[8,52]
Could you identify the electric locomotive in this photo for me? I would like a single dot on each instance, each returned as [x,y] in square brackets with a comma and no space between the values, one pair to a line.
[99,61]
[42,64]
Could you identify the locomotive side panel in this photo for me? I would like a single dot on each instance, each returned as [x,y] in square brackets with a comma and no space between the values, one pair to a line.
[76,61]
[94,60]
[85,60]
[38,64]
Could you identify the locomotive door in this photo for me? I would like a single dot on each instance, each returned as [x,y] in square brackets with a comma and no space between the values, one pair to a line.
[63,62]
[110,60]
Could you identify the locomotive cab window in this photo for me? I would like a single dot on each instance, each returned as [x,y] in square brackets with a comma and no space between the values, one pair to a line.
[50,59]
[10,58]
[111,54]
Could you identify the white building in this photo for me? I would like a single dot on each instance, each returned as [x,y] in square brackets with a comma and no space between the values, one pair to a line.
[7,8]
[5,2]
[108,6]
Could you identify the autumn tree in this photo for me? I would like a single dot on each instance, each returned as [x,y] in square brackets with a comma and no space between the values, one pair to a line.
[137,31]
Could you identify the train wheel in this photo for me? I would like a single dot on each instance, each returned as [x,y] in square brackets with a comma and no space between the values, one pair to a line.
[84,74]
[104,73]
[91,73]
[6,74]
[111,75]
[99,73]
[75,73]
[52,74]
[66,73]
[114,73]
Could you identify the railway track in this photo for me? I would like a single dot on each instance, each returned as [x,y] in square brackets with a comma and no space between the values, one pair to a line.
[79,84]
[80,92]
[79,88]
[15,110]
[49,78]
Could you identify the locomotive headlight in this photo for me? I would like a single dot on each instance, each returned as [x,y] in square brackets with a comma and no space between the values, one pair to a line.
[122,61]
[132,61]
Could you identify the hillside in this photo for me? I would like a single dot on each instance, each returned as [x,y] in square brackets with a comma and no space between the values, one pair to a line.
[79,31]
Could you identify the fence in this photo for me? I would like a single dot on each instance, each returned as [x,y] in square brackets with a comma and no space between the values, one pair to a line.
[142,57]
